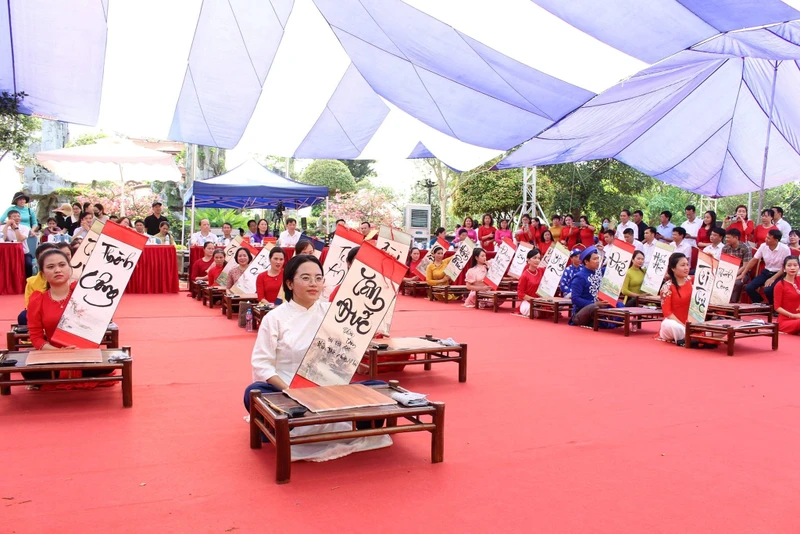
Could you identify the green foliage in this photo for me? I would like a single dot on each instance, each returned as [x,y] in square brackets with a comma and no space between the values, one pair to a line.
[786,196]
[330,173]
[86,139]
[360,168]
[277,165]
[498,193]
[17,131]
[218,216]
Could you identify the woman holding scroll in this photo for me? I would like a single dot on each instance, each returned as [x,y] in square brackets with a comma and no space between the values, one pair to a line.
[268,283]
[283,339]
[435,275]
[676,295]
[529,282]
[414,257]
[243,259]
[476,275]
[787,297]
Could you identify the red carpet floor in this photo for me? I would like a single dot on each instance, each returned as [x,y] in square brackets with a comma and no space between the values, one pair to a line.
[558,429]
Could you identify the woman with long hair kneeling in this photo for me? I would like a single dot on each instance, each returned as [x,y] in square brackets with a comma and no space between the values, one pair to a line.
[283,339]
[676,295]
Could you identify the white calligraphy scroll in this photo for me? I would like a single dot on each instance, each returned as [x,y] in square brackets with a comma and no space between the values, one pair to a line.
[246,284]
[99,289]
[505,253]
[617,264]
[335,266]
[394,242]
[725,279]
[352,320]
[659,261]
[702,287]
[460,259]
[559,256]
[520,259]
[422,267]
[85,250]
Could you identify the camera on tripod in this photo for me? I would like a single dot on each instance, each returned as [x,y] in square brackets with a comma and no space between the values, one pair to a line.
[277,214]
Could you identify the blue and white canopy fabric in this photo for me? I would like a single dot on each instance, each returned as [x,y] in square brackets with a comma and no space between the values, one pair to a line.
[253,186]
[698,120]
[344,78]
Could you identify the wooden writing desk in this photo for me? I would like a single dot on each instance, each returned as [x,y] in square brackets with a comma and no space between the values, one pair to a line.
[421,351]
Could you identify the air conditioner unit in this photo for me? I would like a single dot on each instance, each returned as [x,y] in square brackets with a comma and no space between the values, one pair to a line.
[418,222]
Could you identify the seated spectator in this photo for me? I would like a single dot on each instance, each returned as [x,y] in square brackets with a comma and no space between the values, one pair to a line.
[676,295]
[66,248]
[100,213]
[741,223]
[304,246]
[227,234]
[649,244]
[486,234]
[200,238]
[572,268]
[27,216]
[475,276]
[199,270]
[586,235]
[440,232]
[546,242]
[139,226]
[251,228]
[584,288]
[761,231]
[570,234]
[268,283]
[716,238]
[773,252]
[794,242]
[51,229]
[607,246]
[13,231]
[242,259]
[414,257]
[734,247]
[681,244]
[503,232]
[632,285]
[787,297]
[126,222]
[435,273]
[664,230]
[216,270]
[114,218]
[164,237]
[529,282]
[629,239]
[62,215]
[262,233]
[709,223]
[87,219]
[526,232]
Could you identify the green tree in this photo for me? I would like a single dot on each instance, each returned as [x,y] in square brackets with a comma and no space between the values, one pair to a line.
[330,173]
[360,168]
[85,139]
[17,131]
[498,193]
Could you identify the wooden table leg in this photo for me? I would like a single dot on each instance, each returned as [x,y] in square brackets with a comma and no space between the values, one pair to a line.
[556,312]
[626,325]
[495,304]
[5,390]
[283,470]
[255,432]
[769,313]
[462,364]
[731,340]
[596,319]
[11,342]
[230,308]
[688,337]
[774,335]
[127,383]
[373,364]
[437,435]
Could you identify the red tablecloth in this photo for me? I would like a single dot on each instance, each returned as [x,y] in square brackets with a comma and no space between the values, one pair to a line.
[156,272]
[195,253]
[461,280]
[12,269]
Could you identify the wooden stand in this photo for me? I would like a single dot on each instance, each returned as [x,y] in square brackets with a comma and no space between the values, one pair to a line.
[213,294]
[650,300]
[421,351]
[626,316]
[495,298]
[231,302]
[446,291]
[728,331]
[739,310]
[415,288]
[554,305]
[258,314]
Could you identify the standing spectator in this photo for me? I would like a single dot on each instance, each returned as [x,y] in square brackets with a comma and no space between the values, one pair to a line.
[556,228]
[291,236]
[503,232]
[664,230]
[625,223]
[716,239]
[469,224]
[198,238]
[741,223]
[14,231]
[486,233]
[440,232]
[151,222]
[692,225]
[571,233]
[526,233]
[649,245]
[680,242]
[794,242]
[773,252]
[709,223]
[761,231]
[781,223]
[638,217]
[26,215]
[364,228]
[586,235]
[734,247]
[606,225]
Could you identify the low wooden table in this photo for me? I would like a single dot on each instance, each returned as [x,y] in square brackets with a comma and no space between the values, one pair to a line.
[212,294]
[425,351]
[508,284]
[554,305]
[457,291]
[495,298]
[16,340]
[650,300]
[626,316]
[739,310]
[259,312]
[277,426]
[231,302]
[415,288]
[728,331]
[125,366]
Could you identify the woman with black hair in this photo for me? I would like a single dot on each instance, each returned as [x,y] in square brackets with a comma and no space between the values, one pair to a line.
[703,234]
[242,259]
[676,295]
[486,233]
[268,283]
[476,275]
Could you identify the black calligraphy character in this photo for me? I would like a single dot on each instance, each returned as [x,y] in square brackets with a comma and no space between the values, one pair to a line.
[346,313]
[368,288]
[102,285]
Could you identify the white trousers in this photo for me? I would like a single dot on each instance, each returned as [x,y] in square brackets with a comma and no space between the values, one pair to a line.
[525,307]
[672,330]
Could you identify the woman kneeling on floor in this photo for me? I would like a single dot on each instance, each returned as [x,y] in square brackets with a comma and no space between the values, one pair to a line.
[475,278]
[676,295]
[283,339]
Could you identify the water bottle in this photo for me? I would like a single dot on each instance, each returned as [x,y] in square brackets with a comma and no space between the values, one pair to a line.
[166,240]
[252,241]
[249,320]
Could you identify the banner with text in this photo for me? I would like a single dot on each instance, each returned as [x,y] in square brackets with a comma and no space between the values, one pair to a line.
[352,320]
[558,258]
[725,279]
[422,266]
[500,263]
[520,259]
[85,250]
[460,259]
[397,244]
[246,284]
[230,252]
[100,287]
[335,266]
[702,287]
[659,261]
[617,264]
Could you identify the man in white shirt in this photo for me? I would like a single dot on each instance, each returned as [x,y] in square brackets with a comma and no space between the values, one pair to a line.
[607,246]
[664,230]
[204,235]
[629,239]
[14,231]
[679,241]
[717,238]
[290,236]
[781,223]
[624,224]
[226,234]
[649,245]
[773,252]
[692,225]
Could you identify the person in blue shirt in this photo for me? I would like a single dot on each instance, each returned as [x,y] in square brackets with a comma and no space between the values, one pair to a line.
[584,287]
[27,216]
[570,272]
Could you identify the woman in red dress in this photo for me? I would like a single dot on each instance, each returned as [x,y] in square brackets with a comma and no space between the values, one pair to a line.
[794,243]
[676,295]
[787,297]
[571,233]
[761,231]
[527,232]
[741,223]
[529,282]
[200,267]
[217,268]
[544,244]
[268,283]
[586,236]
[486,234]
[414,257]
[709,222]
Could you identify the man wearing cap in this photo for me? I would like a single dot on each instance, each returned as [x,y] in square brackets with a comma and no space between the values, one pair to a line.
[152,222]
[27,216]
[584,287]
[570,272]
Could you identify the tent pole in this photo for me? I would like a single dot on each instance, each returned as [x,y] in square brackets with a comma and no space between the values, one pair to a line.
[183,224]
[766,145]
[191,230]
[327,216]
